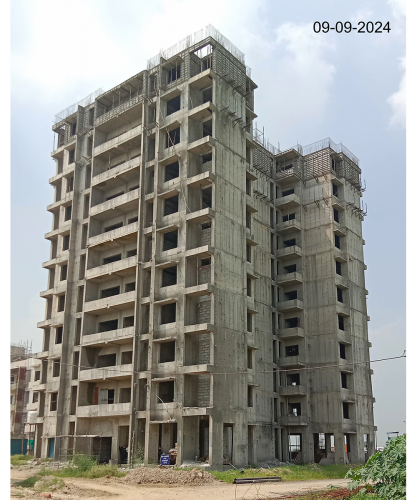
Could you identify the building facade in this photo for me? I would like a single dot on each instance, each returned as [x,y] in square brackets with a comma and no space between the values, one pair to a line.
[206,292]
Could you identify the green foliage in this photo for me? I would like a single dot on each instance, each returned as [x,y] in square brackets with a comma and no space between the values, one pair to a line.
[28,483]
[289,473]
[20,459]
[138,455]
[387,469]
[83,462]
[92,473]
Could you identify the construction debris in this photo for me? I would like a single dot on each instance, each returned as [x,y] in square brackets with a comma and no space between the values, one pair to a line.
[145,475]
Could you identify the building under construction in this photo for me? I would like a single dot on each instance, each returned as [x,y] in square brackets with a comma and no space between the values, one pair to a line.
[206,291]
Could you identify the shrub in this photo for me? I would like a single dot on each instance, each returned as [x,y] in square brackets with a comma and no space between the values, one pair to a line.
[84,463]
[138,455]
[387,469]
[28,483]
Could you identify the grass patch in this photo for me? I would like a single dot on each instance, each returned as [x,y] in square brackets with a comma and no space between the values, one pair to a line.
[28,483]
[20,459]
[94,472]
[290,473]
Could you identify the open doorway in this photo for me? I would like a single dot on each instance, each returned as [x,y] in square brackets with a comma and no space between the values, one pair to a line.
[123,442]
[227,443]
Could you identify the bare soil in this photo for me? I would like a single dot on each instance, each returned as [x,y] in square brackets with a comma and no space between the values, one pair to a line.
[137,485]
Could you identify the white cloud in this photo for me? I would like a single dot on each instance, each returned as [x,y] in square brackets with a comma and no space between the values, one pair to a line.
[398,8]
[397,101]
[304,77]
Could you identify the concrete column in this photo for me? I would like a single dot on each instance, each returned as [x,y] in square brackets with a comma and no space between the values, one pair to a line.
[216,443]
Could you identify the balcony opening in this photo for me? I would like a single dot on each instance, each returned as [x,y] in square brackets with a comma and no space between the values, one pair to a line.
[37,375]
[248,253]
[106,360]
[128,321]
[130,287]
[171,205]
[35,397]
[343,377]
[293,379]
[342,351]
[149,214]
[71,156]
[54,401]
[207,95]
[338,268]
[248,187]
[108,326]
[56,368]
[290,269]
[173,105]
[249,324]
[64,269]
[168,313]
[290,295]
[132,253]
[248,219]
[109,292]
[294,409]
[111,197]
[84,236]
[288,217]
[68,211]
[81,271]
[287,192]
[70,184]
[77,338]
[345,410]
[169,276]
[166,392]
[172,171]
[80,298]
[170,240]
[172,138]
[61,302]
[248,287]
[208,157]
[341,322]
[125,395]
[112,258]
[250,358]
[335,190]
[289,243]
[250,396]
[126,358]
[174,73]
[58,335]
[336,215]
[339,294]
[208,128]
[167,352]
[113,226]
[337,241]
[206,198]
[291,350]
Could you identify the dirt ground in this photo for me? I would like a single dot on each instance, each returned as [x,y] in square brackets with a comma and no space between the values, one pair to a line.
[111,488]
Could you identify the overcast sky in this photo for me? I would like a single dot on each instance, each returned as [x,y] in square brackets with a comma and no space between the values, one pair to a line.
[350,87]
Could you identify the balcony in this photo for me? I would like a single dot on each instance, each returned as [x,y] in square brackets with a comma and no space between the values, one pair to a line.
[201,112]
[57,260]
[199,328]
[251,173]
[121,172]
[199,290]
[104,410]
[293,390]
[203,369]
[288,226]
[202,146]
[201,216]
[345,365]
[338,229]
[122,267]
[290,201]
[342,282]
[202,252]
[64,228]
[348,396]
[117,237]
[291,333]
[118,372]
[291,361]
[120,110]
[290,305]
[342,309]
[116,302]
[124,203]
[293,421]
[340,255]
[68,197]
[118,141]
[201,180]
[120,336]
[289,279]
[289,252]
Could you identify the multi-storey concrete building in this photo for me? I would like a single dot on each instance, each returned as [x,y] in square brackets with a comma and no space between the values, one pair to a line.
[205,291]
